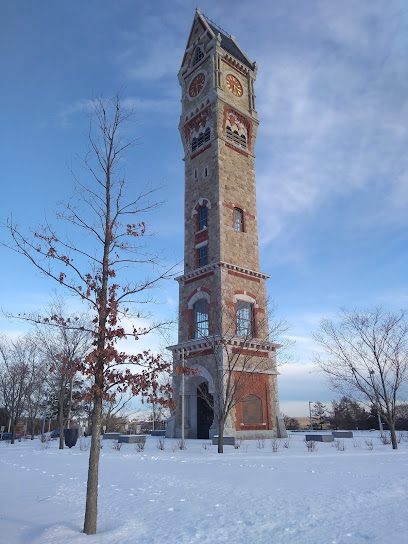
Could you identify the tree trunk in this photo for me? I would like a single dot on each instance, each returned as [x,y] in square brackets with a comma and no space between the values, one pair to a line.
[393,435]
[91,510]
[221,437]
[13,432]
[61,419]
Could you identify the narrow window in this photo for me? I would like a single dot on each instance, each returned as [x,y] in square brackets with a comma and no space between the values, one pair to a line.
[243,141]
[202,256]
[236,137]
[200,139]
[228,132]
[206,171]
[238,220]
[195,173]
[200,310]
[207,134]
[202,217]
[252,410]
[244,319]
[198,55]
[194,145]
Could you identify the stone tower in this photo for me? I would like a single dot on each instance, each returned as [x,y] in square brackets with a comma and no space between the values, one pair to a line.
[222,291]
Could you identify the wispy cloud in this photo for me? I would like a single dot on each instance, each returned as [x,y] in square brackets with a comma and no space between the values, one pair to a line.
[334,122]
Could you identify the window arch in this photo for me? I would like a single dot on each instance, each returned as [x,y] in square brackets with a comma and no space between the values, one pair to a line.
[198,55]
[243,141]
[245,319]
[228,132]
[252,410]
[200,312]
[238,220]
[207,135]
[194,144]
[236,137]
[202,217]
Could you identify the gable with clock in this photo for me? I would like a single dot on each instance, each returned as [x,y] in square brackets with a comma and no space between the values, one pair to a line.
[222,288]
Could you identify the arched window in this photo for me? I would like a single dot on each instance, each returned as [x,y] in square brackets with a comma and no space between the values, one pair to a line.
[245,321]
[236,137]
[200,139]
[202,256]
[228,132]
[238,220]
[194,144]
[206,171]
[202,217]
[207,134]
[243,141]
[252,410]
[200,311]
[198,55]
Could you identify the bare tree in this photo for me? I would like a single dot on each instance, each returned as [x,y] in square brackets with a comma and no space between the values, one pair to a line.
[105,229]
[238,356]
[63,348]
[367,357]
[18,367]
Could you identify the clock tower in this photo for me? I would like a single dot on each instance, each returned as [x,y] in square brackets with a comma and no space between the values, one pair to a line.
[223,304]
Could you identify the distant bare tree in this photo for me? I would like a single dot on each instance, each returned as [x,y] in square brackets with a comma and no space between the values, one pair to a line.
[63,349]
[18,368]
[367,357]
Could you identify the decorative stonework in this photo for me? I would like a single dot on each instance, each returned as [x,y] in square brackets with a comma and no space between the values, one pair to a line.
[196,125]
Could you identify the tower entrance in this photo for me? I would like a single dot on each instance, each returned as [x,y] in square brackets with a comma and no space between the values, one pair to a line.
[205,414]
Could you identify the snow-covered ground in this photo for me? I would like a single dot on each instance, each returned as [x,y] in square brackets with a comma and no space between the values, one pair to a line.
[249,495]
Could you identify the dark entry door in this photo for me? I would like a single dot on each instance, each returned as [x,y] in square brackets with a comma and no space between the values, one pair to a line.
[205,414]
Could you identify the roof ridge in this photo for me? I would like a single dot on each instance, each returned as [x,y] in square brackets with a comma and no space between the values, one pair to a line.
[211,22]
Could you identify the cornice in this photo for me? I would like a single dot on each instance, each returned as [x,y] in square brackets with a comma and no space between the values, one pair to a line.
[220,264]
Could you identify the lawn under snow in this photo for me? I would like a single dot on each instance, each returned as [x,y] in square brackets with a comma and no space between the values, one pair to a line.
[249,495]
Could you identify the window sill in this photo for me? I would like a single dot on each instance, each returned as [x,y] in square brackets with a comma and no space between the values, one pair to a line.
[202,230]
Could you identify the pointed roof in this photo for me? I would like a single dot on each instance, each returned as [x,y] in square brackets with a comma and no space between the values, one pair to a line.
[228,42]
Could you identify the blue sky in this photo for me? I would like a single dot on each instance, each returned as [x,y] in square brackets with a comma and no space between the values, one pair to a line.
[332,161]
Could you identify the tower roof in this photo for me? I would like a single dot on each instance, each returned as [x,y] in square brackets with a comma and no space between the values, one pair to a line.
[228,42]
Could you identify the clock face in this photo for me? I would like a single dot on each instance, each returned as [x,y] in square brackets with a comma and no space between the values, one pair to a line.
[234,85]
[196,85]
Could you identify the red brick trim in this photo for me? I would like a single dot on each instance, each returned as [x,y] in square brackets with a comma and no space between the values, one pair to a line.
[236,149]
[249,215]
[228,206]
[201,151]
[228,303]
[233,67]
[199,353]
[252,352]
[257,384]
[196,291]
[199,277]
[201,236]
[245,276]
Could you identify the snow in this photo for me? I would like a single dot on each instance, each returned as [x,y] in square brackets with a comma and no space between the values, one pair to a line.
[247,495]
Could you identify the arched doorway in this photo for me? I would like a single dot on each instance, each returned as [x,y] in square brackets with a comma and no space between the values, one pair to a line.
[205,414]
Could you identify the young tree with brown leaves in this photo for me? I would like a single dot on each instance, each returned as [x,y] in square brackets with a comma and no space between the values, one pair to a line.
[106,227]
